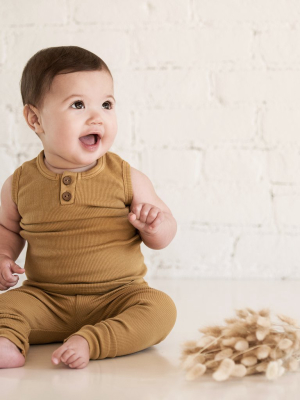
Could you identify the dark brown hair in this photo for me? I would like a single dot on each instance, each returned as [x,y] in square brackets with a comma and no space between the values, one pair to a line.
[42,67]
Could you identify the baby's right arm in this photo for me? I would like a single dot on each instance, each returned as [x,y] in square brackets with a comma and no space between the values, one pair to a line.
[11,242]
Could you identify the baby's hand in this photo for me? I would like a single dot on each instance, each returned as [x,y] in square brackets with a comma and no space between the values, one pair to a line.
[7,268]
[146,218]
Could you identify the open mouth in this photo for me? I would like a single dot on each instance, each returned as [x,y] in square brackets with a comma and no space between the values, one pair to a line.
[90,140]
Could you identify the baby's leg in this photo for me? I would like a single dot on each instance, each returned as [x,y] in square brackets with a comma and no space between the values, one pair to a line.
[31,315]
[129,320]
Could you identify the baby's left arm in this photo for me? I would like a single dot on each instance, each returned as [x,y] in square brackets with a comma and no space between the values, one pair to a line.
[149,214]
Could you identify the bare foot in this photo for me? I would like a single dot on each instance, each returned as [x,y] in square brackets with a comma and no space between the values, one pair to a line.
[75,352]
[10,354]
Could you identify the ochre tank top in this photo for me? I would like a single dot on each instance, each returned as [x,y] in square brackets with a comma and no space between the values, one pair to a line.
[76,224]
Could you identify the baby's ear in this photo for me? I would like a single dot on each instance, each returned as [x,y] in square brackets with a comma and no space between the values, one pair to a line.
[31,117]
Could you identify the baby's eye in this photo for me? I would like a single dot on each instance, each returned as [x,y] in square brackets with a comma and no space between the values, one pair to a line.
[79,101]
[108,103]
[76,102]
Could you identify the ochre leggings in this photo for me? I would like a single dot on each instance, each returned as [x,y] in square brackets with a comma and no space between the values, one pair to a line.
[120,322]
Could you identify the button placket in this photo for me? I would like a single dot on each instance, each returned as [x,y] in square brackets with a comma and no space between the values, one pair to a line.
[67,187]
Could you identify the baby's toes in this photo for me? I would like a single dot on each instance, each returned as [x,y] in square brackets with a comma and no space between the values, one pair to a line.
[79,363]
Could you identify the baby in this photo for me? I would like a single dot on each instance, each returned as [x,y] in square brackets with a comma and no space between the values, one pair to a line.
[84,212]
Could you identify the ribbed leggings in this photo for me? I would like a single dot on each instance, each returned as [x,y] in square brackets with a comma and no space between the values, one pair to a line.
[120,322]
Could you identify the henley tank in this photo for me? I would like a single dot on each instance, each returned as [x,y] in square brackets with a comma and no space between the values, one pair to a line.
[76,226]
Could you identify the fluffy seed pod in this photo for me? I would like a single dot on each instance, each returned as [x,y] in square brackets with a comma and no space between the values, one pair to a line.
[263,321]
[288,320]
[261,333]
[292,364]
[205,340]
[231,320]
[211,330]
[285,344]
[241,345]
[241,313]
[189,344]
[212,364]
[189,362]
[196,371]
[225,370]
[275,354]
[265,312]
[274,370]
[249,361]
[223,354]
[200,358]
[239,370]
[263,352]
[251,319]
[262,367]
[251,370]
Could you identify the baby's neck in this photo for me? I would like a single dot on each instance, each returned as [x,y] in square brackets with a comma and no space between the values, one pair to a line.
[60,171]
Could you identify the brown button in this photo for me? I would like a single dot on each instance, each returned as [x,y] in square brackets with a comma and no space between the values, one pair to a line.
[66,196]
[67,180]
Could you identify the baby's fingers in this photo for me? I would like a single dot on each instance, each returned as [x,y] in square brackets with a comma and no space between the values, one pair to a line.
[8,277]
[16,268]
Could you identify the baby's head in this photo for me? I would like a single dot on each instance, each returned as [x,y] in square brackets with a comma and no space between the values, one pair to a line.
[67,93]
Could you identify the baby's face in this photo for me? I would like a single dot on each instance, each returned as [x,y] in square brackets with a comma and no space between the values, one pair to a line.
[65,118]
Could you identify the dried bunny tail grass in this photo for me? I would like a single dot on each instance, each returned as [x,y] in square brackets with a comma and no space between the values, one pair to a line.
[273,337]
[189,344]
[252,370]
[238,329]
[241,344]
[229,341]
[211,330]
[288,320]
[274,370]
[285,344]
[238,348]
[292,364]
[251,311]
[290,329]
[195,371]
[261,333]
[188,362]
[262,366]
[264,321]
[231,320]
[226,353]
[206,341]
[224,370]
[241,313]
[265,312]
[192,360]
[275,354]
[239,370]
[187,352]
[248,361]
[263,352]
[251,337]
[212,343]
[212,364]
[251,320]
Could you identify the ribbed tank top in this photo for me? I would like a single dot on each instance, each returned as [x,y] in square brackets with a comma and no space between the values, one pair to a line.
[76,224]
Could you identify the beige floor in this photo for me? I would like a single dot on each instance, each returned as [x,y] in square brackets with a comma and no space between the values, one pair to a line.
[155,373]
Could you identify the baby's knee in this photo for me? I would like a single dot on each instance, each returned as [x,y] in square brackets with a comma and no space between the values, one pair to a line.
[165,311]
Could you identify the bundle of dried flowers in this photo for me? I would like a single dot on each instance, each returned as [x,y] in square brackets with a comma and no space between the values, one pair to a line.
[249,344]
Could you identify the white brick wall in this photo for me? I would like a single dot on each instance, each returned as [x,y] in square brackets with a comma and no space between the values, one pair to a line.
[208,95]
